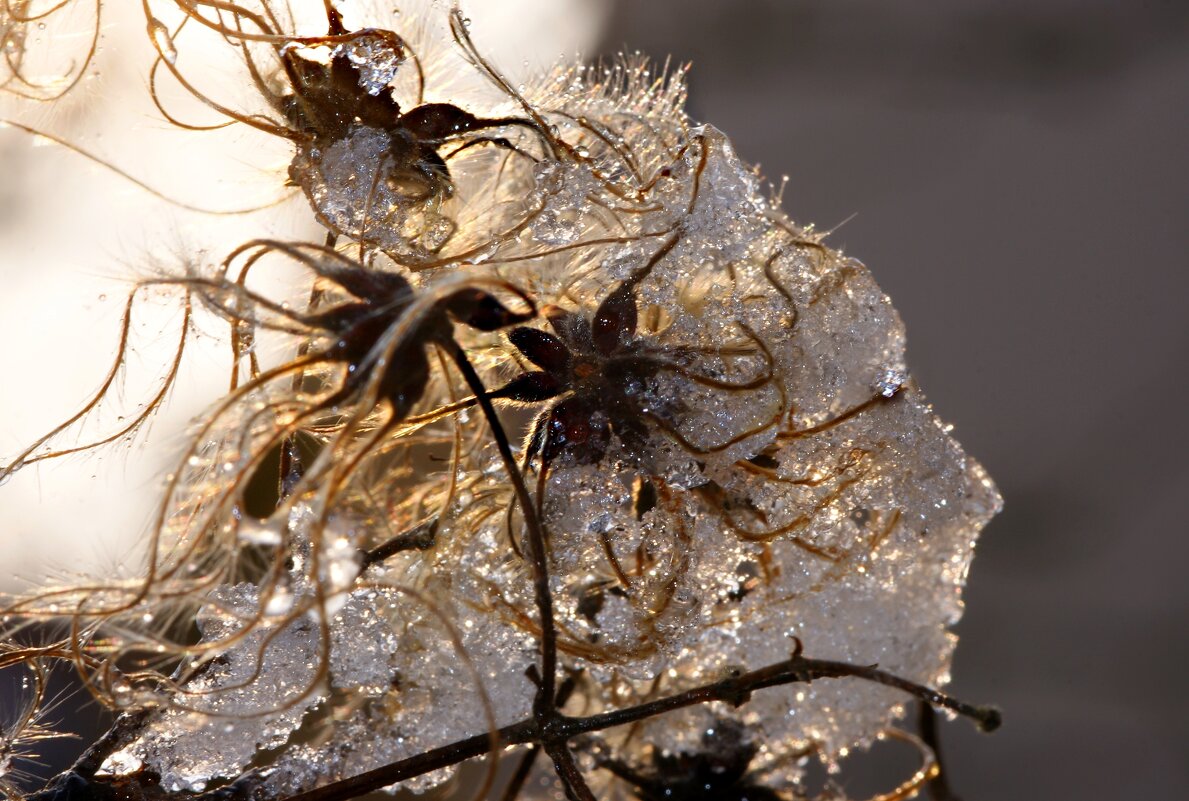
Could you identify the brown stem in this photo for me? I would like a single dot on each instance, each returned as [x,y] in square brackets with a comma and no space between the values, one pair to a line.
[420,537]
[120,734]
[735,690]
[420,764]
[939,786]
[516,783]
[567,770]
[544,707]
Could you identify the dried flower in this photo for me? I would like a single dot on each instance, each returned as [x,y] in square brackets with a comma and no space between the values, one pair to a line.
[731,463]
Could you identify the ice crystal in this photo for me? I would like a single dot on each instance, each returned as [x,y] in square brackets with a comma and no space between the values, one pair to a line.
[375,58]
[245,699]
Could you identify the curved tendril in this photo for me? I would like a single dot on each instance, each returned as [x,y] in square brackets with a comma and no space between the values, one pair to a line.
[458,27]
[928,770]
[756,430]
[762,380]
[127,176]
[187,7]
[544,704]
[17,16]
[268,33]
[24,459]
[799,523]
[855,411]
[76,72]
[156,97]
[154,567]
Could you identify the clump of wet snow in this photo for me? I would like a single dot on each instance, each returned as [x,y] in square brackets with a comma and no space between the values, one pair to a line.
[794,484]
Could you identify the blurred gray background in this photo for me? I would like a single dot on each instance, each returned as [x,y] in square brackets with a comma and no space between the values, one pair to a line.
[1017,174]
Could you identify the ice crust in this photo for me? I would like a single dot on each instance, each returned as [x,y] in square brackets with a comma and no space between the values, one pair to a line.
[826,503]
[247,698]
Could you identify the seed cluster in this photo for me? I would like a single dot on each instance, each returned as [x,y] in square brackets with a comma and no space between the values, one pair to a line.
[571,419]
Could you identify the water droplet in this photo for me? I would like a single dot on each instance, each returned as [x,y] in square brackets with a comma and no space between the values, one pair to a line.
[256,533]
[279,604]
[162,40]
[438,230]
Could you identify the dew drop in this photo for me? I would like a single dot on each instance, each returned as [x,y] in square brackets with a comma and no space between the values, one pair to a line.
[162,40]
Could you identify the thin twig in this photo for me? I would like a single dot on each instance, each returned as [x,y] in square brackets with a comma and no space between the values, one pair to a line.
[516,783]
[545,704]
[939,786]
[567,770]
[120,734]
[420,537]
[735,690]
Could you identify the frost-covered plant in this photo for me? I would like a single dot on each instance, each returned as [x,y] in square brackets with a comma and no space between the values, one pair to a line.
[728,504]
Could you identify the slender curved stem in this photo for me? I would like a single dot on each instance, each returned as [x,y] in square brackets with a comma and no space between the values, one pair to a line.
[735,690]
[545,705]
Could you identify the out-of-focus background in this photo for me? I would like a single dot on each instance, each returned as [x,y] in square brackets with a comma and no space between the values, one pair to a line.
[1015,173]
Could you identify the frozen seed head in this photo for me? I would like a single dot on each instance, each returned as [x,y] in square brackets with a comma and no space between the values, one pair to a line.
[373,156]
[722,441]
